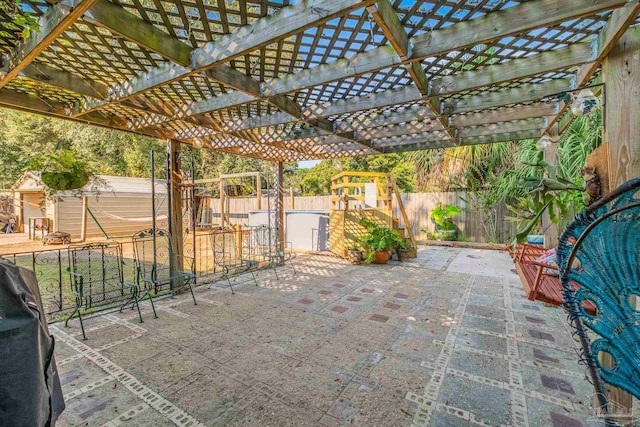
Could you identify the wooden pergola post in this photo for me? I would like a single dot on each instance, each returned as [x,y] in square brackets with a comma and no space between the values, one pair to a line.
[174,181]
[621,75]
[279,223]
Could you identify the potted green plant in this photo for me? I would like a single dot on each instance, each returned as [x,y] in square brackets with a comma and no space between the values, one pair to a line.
[441,216]
[63,170]
[379,242]
[355,255]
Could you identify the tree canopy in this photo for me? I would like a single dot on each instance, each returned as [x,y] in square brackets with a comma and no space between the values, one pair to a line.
[25,136]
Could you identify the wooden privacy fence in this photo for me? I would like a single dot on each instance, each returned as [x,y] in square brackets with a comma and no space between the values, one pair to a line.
[471,223]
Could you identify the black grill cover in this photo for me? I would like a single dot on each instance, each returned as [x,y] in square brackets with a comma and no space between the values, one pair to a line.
[30,391]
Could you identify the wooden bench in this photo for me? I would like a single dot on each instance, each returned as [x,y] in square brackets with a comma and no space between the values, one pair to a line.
[526,252]
[537,284]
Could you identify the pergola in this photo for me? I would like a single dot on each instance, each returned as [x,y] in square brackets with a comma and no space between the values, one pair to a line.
[292,80]
[289,80]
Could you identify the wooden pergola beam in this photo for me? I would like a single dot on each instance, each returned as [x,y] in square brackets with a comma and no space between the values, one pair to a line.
[73,83]
[40,72]
[527,117]
[430,145]
[527,16]
[32,104]
[388,20]
[520,112]
[435,136]
[516,19]
[613,30]
[504,128]
[515,69]
[282,24]
[118,20]
[53,23]
[518,95]
[131,27]
[364,126]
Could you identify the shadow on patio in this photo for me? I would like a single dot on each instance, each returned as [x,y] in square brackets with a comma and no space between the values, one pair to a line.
[445,340]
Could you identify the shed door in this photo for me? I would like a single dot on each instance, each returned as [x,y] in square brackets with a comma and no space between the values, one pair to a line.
[31,203]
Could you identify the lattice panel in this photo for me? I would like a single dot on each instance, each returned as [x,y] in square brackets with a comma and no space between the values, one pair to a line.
[420,16]
[251,109]
[539,78]
[96,54]
[200,21]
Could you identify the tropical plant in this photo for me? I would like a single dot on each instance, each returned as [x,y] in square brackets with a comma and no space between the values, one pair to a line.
[583,136]
[379,239]
[547,191]
[442,215]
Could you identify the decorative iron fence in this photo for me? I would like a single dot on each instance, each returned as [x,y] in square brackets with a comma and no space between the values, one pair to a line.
[208,251]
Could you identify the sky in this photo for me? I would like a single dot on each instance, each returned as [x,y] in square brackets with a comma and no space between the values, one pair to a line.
[308,163]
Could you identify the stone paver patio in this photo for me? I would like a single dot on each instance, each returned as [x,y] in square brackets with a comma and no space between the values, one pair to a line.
[445,340]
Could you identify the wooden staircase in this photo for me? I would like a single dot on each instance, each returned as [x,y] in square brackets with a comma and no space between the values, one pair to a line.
[351,203]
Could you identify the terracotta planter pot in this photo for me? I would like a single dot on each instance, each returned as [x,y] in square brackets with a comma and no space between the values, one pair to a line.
[381,257]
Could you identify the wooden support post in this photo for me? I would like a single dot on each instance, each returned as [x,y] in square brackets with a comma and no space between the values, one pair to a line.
[280,244]
[334,195]
[222,202]
[389,194]
[259,191]
[83,229]
[345,190]
[621,75]
[174,176]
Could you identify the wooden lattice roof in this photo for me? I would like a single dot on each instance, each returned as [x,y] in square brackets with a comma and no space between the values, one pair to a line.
[303,79]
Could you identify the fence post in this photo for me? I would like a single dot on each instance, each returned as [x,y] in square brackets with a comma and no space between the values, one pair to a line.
[259,191]
[293,199]
[83,230]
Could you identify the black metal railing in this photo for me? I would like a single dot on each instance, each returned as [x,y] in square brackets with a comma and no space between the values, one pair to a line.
[208,251]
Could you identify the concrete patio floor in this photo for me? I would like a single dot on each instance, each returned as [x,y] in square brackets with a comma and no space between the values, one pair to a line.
[446,340]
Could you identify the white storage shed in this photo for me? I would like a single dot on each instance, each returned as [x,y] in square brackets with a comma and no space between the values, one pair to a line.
[121,205]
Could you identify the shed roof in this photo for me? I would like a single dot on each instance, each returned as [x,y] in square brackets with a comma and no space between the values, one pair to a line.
[30,181]
[304,79]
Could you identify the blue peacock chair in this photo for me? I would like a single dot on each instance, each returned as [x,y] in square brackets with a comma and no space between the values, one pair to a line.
[599,259]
